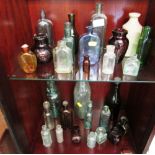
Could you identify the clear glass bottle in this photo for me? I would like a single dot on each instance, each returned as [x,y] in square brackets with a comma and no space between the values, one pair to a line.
[66,116]
[47,115]
[99,22]
[76,136]
[82,94]
[42,49]
[144,45]
[27,60]
[63,58]
[53,98]
[86,67]
[68,38]
[45,26]
[89,44]
[101,135]
[134,29]
[91,140]
[113,100]
[46,136]
[131,66]
[88,116]
[74,33]
[59,134]
[104,117]
[109,60]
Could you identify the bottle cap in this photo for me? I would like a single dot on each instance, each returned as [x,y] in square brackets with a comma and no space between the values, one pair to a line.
[65,103]
[110,48]
[25,47]
[46,105]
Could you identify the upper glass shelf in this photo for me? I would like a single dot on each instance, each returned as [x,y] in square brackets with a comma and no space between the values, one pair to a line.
[146,75]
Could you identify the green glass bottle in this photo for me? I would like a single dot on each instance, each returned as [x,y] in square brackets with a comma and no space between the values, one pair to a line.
[144,45]
[53,98]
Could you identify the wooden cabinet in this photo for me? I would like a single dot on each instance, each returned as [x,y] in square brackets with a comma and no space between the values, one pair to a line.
[22,95]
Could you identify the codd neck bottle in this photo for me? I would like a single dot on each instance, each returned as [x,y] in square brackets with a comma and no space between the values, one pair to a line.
[74,33]
[53,98]
[99,22]
[68,38]
[113,100]
[144,45]
[82,95]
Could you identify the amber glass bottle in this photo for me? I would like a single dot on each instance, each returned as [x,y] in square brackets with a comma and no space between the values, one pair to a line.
[27,60]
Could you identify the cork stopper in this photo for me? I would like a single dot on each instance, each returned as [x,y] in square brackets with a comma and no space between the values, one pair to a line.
[25,48]
[46,105]
[65,103]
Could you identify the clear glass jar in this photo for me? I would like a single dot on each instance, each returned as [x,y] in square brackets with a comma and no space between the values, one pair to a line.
[101,135]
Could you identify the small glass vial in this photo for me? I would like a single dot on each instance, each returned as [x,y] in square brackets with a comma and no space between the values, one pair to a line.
[131,66]
[27,60]
[101,135]
[47,115]
[91,140]
[109,60]
[46,136]
[86,67]
[104,117]
[59,134]
[76,137]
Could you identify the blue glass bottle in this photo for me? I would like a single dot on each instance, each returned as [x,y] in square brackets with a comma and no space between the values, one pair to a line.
[89,45]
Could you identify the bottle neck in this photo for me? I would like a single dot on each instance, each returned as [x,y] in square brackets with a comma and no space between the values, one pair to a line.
[72,19]
[98,8]
[67,33]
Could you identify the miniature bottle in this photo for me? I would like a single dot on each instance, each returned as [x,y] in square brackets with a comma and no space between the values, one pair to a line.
[76,137]
[66,116]
[99,22]
[27,60]
[41,48]
[82,95]
[104,117]
[113,100]
[120,42]
[134,29]
[53,98]
[131,66]
[101,135]
[91,139]
[86,68]
[144,45]
[88,116]
[46,136]
[68,38]
[109,60]
[59,134]
[47,115]
[64,59]
[89,45]
[45,26]
[119,130]
[74,33]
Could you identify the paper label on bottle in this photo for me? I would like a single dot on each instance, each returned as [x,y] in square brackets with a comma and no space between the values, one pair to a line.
[98,23]
[92,43]
[79,104]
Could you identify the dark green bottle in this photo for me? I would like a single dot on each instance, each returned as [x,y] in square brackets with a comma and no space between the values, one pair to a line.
[74,33]
[53,98]
[144,45]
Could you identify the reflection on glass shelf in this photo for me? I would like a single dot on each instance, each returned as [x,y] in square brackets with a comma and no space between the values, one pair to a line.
[146,75]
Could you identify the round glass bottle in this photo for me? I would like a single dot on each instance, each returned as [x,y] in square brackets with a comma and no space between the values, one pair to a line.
[120,41]
[42,49]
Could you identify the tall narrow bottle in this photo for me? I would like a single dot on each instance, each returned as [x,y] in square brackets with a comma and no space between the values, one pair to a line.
[82,96]
[53,98]
[89,44]
[68,38]
[66,116]
[59,134]
[45,26]
[99,22]
[144,45]
[47,115]
[113,100]
[74,33]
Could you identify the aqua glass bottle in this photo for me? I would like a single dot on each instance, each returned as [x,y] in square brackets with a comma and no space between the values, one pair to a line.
[89,45]
[82,95]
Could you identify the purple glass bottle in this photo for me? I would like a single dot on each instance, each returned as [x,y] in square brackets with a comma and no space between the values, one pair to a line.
[41,48]
[121,43]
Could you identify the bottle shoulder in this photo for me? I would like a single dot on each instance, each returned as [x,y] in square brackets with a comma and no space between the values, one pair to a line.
[99,16]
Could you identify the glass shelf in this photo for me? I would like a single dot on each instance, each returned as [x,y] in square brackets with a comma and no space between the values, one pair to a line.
[44,71]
